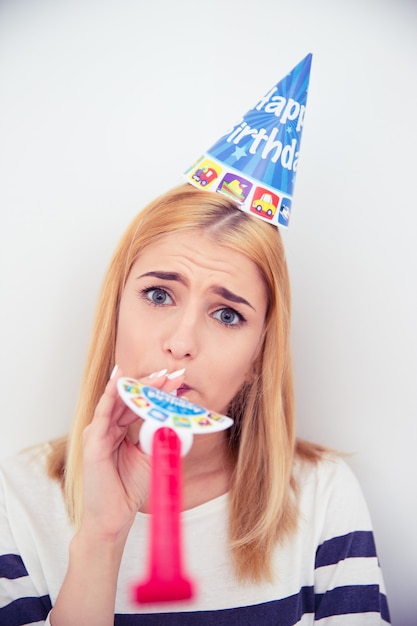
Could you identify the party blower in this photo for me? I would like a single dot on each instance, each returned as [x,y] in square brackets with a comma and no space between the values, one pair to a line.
[166,435]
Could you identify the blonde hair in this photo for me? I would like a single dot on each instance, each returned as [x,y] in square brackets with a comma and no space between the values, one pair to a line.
[262,440]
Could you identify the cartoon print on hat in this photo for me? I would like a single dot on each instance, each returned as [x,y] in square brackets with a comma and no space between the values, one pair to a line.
[255,163]
[206,173]
[235,186]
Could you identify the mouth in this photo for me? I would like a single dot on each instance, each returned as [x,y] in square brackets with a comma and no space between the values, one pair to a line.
[183,390]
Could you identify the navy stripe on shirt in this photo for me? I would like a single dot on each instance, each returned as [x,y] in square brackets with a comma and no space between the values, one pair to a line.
[357,544]
[285,612]
[25,611]
[12,566]
[352,599]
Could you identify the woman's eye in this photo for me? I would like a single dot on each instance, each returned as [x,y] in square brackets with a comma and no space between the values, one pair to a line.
[158,296]
[228,317]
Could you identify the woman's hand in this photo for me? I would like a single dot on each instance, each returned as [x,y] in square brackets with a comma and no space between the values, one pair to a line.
[115,485]
[115,470]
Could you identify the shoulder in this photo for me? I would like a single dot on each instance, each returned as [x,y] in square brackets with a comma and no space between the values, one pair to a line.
[325,475]
[324,471]
[316,467]
[328,491]
[30,460]
[335,517]
[31,503]
[25,474]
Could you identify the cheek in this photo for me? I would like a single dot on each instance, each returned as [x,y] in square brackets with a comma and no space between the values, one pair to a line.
[131,337]
[232,369]
[228,380]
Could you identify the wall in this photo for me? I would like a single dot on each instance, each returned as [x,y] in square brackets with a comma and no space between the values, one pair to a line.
[104,104]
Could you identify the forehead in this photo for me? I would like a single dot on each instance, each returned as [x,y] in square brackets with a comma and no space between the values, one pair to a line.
[197,258]
[198,248]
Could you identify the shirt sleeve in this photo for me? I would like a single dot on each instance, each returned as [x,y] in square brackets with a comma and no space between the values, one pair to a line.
[349,587]
[20,602]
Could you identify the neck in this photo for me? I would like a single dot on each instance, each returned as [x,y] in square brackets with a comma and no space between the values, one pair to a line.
[206,471]
[208,454]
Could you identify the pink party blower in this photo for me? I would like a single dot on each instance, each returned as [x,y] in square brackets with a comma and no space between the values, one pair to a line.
[166,581]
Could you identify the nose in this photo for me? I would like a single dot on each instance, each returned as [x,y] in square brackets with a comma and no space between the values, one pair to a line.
[181,338]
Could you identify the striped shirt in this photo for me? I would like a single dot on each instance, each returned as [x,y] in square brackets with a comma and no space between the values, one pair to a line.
[327,573]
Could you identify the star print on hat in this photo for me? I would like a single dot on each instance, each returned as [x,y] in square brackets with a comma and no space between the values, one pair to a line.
[255,162]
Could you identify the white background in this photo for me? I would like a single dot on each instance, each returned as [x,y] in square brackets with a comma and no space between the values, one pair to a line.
[103,105]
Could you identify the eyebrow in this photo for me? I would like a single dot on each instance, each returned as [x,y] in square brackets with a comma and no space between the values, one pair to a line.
[229,295]
[164,276]
[217,289]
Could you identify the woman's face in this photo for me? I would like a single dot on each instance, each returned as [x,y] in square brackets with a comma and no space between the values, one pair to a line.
[190,302]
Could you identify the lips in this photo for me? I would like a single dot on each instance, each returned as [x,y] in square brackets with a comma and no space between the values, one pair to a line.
[183,390]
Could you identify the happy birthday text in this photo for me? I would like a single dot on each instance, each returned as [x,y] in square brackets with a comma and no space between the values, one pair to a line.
[285,110]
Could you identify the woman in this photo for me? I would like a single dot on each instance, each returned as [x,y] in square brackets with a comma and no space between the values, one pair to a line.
[275,531]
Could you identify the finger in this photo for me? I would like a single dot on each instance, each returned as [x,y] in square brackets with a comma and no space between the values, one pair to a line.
[111,409]
[174,380]
[166,381]
[107,402]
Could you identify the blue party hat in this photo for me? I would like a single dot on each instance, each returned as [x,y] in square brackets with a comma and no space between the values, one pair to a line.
[255,163]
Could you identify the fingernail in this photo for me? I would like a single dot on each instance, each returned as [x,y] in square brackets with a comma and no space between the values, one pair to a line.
[113,372]
[176,374]
[158,374]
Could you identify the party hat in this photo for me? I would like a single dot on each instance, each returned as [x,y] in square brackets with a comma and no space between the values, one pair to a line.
[255,162]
